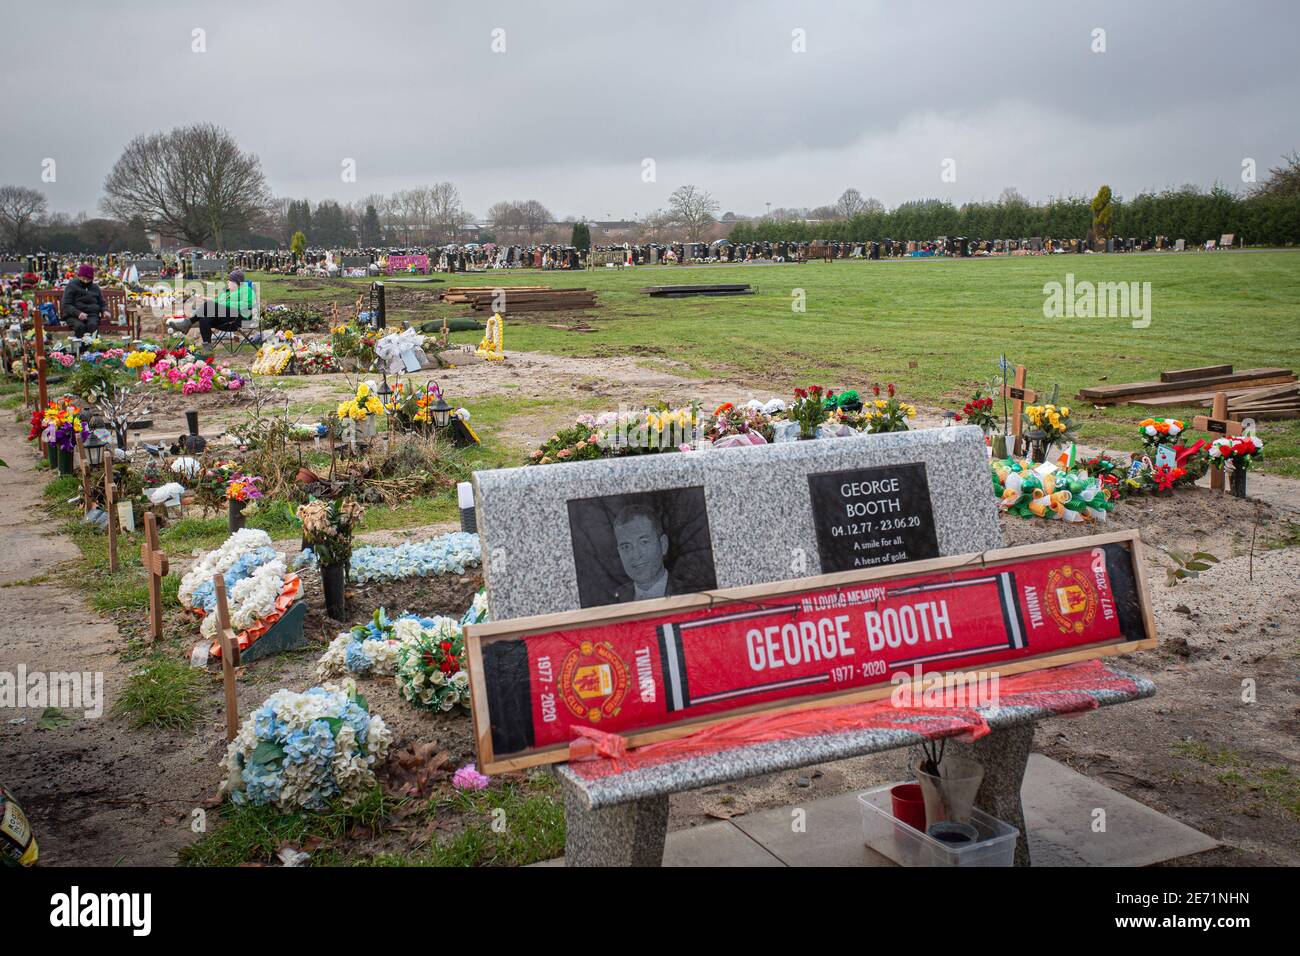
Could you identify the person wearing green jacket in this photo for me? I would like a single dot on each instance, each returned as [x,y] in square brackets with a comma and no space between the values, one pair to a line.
[225,311]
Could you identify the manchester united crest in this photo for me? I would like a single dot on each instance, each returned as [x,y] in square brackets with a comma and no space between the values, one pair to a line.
[593,681]
[1072,599]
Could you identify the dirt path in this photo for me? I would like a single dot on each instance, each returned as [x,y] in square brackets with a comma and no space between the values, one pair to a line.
[96,792]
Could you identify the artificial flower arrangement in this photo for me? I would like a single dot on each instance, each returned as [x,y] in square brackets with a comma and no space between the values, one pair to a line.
[888,414]
[581,442]
[728,420]
[305,750]
[1242,452]
[327,527]
[808,409]
[1025,489]
[1055,422]
[979,412]
[409,409]
[192,377]
[213,482]
[244,488]
[315,358]
[237,557]
[272,359]
[451,553]
[255,577]
[140,358]
[431,666]
[350,340]
[59,424]
[492,347]
[369,648]
[362,405]
[1155,432]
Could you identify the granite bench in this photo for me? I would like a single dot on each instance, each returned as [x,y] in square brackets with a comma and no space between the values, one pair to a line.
[617,810]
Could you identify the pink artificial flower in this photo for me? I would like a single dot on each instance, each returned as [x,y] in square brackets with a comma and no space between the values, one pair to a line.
[468,778]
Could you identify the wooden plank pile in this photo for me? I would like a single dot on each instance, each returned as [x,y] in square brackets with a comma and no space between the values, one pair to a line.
[519,301]
[1279,401]
[681,291]
[1188,386]
[461,294]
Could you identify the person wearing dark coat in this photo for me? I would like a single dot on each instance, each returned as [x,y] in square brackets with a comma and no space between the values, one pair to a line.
[83,302]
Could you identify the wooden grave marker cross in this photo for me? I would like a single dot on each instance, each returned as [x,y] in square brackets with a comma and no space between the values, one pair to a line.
[38,343]
[155,564]
[110,509]
[1218,423]
[1019,395]
[85,473]
[229,643]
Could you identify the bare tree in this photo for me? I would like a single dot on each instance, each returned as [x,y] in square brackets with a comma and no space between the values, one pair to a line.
[506,219]
[194,182]
[535,216]
[446,214]
[694,208]
[655,226]
[849,204]
[20,208]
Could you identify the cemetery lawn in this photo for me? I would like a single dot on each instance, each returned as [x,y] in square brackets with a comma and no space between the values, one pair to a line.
[865,321]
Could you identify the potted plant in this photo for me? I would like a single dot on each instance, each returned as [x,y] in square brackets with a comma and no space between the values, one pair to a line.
[239,492]
[327,529]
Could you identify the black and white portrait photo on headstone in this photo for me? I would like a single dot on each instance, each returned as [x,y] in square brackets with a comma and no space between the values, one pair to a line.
[635,547]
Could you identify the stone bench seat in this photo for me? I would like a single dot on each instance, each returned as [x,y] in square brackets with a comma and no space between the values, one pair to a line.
[617,810]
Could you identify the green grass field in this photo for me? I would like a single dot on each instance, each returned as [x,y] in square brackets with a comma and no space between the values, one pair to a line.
[865,321]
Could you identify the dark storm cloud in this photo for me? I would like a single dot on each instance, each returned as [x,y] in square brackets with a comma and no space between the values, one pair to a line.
[713,93]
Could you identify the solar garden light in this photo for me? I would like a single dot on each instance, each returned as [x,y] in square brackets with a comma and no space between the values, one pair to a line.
[94,446]
[441,412]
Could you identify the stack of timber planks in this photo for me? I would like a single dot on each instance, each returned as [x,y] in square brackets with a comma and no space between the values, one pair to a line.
[682,291]
[522,300]
[1189,386]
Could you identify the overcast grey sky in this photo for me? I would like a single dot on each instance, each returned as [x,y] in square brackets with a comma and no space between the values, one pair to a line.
[714,93]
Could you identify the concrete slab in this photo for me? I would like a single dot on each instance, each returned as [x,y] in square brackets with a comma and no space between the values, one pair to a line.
[713,844]
[831,833]
[1060,806]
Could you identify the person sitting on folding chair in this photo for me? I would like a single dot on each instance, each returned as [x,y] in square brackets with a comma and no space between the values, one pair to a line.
[225,312]
[83,303]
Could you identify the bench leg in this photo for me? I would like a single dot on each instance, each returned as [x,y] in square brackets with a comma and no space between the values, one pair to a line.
[630,834]
[1003,754]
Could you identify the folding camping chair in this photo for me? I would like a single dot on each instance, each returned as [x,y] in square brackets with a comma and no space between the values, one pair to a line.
[232,340]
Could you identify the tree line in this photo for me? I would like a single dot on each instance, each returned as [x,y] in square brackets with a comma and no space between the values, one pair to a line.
[1268,215]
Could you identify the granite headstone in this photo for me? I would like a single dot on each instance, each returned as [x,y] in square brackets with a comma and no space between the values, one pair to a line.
[566,536]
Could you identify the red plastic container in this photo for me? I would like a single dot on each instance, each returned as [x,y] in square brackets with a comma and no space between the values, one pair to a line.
[908,804]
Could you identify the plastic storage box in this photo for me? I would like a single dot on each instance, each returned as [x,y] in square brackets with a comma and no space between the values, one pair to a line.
[908,846]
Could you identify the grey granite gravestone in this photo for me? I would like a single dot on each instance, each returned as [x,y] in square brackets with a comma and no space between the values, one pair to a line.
[566,536]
